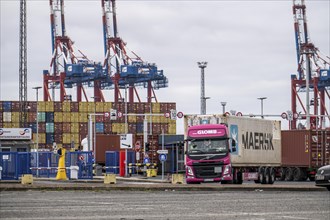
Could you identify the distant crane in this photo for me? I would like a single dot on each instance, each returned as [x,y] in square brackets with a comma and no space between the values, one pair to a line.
[313,74]
[126,70]
[22,65]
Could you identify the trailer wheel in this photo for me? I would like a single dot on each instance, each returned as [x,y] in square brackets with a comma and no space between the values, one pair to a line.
[262,175]
[297,174]
[288,174]
[271,175]
[282,173]
[266,174]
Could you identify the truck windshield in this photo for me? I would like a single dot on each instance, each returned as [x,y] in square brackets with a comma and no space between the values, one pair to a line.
[207,146]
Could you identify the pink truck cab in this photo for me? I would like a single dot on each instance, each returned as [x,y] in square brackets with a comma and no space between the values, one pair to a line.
[208,149]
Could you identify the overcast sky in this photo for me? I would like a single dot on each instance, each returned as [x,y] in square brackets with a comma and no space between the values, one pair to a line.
[249,47]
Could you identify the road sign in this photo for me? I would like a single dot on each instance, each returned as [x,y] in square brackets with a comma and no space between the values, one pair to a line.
[162,151]
[162,157]
[173,114]
[146,160]
[137,145]
[180,114]
[119,114]
[126,141]
[167,114]
[113,114]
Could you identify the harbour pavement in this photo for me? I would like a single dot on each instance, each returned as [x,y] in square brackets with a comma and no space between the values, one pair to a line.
[141,183]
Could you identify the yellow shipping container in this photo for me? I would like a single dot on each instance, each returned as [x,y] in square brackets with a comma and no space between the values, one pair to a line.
[74,127]
[66,138]
[83,117]
[118,128]
[83,106]
[132,119]
[41,138]
[66,117]
[171,128]
[49,106]
[91,107]
[99,106]
[156,119]
[74,117]
[155,107]
[66,106]
[15,125]
[58,117]
[41,106]
[107,106]
[15,117]
[7,125]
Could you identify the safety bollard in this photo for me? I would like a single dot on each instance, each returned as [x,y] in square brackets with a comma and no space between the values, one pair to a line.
[177,178]
[27,179]
[110,179]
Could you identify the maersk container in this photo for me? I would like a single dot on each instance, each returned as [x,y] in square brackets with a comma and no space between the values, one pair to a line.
[258,141]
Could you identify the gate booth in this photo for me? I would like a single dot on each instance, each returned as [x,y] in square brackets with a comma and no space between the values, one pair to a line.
[15,164]
[175,158]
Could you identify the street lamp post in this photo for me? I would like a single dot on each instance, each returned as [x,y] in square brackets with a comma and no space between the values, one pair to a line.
[262,106]
[202,65]
[37,121]
[223,107]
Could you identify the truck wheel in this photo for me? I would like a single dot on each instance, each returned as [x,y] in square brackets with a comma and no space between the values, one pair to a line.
[297,174]
[271,175]
[288,174]
[304,175]
[311,178]
[239,179]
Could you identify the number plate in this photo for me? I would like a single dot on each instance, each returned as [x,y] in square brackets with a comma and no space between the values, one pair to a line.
[208,180]
[320,177]
[217,169]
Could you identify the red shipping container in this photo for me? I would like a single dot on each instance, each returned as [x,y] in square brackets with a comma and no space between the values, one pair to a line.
[58,107]
[105,142]
[58,127]
[83,128]
[107,128]
[41,127]
[74,106]
[66,127]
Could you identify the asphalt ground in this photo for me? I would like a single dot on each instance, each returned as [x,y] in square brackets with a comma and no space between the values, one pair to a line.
[152,184]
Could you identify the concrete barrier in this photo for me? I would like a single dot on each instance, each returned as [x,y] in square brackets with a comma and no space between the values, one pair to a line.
[27,179]
[151,172]
[177,178]
[110,179]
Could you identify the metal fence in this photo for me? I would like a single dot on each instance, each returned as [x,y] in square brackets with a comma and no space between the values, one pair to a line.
[15,164]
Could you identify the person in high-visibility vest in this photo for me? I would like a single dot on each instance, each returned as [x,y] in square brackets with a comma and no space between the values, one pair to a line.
[61,171]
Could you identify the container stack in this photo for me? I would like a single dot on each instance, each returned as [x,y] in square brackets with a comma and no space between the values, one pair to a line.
[66,123]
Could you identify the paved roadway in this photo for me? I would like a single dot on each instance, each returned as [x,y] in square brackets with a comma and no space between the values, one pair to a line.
[166,204]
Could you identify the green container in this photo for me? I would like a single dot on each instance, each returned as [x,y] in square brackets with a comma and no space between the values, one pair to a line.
[41,116]
[50,127]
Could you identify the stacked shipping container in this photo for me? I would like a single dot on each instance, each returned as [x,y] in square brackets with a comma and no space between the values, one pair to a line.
[66,123]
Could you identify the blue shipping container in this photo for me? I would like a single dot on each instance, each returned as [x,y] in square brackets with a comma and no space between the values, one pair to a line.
[99,127]
[49,127]
[6,106]
[33,126]
[139,127]
[50,138]
[49,116]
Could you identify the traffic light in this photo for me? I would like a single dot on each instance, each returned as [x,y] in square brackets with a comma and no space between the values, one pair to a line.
[147,145]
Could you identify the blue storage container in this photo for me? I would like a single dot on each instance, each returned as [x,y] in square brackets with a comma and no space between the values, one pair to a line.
[6,106]
[49,116]
[50,138]
[33,126]
[139,127]
[99,127]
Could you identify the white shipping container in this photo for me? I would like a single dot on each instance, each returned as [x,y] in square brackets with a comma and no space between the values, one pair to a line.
[6,117]
[258,141]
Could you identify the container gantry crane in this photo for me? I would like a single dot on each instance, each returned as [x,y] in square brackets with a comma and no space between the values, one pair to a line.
[126,68]
[66,68]
[120,70]
[313,74]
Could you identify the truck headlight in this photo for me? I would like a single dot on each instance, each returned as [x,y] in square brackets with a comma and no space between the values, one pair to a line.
[227,169]
[189,171]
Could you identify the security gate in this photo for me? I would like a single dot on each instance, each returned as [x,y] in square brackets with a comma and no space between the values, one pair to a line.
[9,165]
[84,161]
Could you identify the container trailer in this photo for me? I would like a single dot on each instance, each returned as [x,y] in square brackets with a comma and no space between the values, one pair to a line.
[251,149]
[230,149]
